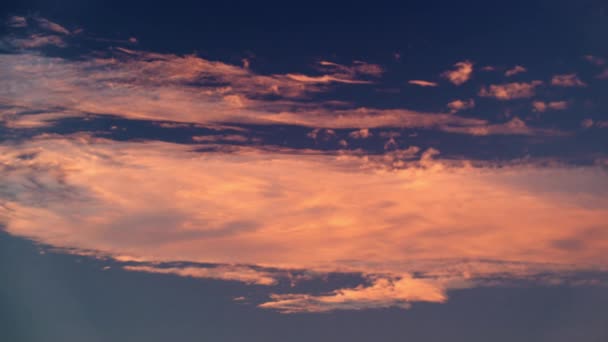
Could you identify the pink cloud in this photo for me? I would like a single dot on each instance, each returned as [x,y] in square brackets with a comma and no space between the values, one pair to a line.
[51,26]
[338,73]
[567,80]
[515,70]
[158,201]
[422,83]
[509,91]
[356,69]
[139,85]
[460,74]
[323,79]
[17,21]
[382,293]
[587,123]
[242,274]
[515,126]
[322,134]
[595,60]
[458,105]
[540,106]
[363,133]
[38,40]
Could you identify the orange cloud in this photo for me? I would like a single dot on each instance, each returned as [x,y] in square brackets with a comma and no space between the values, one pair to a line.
[358,68]
[363,133]
[341,74]
[587,123]
[158,201]
[509,91]
[383,293]
[242,274]
[323,79]
[541,106]
[321,134]
[567,80]
[51,26]
[460,74]
[16,21]
[422,83]
[458,105]
[149,86]
[515,70]
[595,60]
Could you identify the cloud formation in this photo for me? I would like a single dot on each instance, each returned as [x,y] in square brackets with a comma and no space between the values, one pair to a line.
[51,26]
[382,293]
[144,85]
[603,75]
[363,133]
[458,105]
[510,91]
[162,202]
[518,69]
[541,106]
[16,22]
[242,274]
[422,83]
[141,85]
[595,60]
[460,74]
[567,80]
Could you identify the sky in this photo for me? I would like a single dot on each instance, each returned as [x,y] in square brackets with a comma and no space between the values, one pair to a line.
[187,171]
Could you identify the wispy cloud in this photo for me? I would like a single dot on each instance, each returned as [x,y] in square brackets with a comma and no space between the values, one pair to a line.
[189,89]
[17,21]
[518,69]
[339,73]
[458,105]
[51,26]
[589,123]
[323,79]
[150,86]
[541,106]
[595,60]
[242,274]
[38,40]
[382,293]
[422,83]
[603,75]
[357,68]
[567,80]
[510,91]
[363,133]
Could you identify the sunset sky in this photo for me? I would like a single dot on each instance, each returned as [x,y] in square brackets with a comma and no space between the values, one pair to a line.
[244,171]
